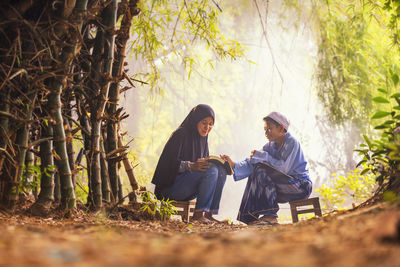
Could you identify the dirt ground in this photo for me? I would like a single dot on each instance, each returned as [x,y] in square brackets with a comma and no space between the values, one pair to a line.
[367,236]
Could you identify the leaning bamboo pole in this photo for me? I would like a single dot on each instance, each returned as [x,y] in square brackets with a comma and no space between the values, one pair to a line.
[128,167]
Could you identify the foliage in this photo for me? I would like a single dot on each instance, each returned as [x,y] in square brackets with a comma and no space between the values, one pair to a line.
[153,206]
[26,185]
[33,182]
[354,55]
[391,197]
[382,156]
[165,30]
[352,186]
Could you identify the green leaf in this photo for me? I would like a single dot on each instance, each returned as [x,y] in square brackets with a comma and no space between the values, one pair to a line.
[389,122]
[395,79]
[364,171]
[366,138]
[382,90]
[380,99]
[382,126]
[361,162]
[395,95]
[380,114]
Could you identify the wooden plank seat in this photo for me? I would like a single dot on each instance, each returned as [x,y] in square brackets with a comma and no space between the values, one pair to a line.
[185,209]
[305,202]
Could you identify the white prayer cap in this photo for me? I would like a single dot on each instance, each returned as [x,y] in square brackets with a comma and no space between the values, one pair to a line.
[279,118]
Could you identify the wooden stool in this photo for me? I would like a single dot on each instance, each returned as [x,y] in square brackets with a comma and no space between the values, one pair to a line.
[185,209]
[305,202]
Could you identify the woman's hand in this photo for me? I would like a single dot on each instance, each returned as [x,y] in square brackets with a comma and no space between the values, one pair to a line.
[252,153]
[200,165]
[229,160]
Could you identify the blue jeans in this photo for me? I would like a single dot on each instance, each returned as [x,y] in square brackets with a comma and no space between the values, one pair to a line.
[206,186]
[264,192]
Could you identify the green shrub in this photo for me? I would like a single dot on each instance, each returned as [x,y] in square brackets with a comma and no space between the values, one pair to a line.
[152,205]
[341,190]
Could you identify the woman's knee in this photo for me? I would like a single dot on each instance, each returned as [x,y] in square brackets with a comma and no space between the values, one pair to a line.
[212,170]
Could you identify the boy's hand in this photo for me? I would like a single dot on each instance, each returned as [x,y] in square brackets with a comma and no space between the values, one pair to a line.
[229,160]
[252,153]
[200,165]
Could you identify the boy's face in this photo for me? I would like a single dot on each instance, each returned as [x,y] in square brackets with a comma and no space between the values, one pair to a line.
[273,132]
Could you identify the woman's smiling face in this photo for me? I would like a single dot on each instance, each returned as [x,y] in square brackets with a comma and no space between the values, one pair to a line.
[205,125]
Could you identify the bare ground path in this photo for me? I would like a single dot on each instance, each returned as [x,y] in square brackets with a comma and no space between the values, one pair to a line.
[364,237]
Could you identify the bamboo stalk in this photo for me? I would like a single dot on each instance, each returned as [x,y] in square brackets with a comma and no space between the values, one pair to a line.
[64,171]
[29,163]
[128,168]
[46,195]
[70,149]
[105,179]
[109,18]
[112,132]
[54,102]
[4,125]
[22,145]
[57,188]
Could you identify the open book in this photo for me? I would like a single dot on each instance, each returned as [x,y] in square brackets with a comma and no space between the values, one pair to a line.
[218,161]
[274,172]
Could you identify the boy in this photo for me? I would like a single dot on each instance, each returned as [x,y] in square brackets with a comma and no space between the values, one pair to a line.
[264,191]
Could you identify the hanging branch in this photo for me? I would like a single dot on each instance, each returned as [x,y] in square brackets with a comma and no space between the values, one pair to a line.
[267,40]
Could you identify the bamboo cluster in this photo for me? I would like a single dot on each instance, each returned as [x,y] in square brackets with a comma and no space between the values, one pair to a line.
[61,64]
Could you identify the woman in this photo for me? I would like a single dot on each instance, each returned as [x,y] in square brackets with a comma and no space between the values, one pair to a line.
[183,174]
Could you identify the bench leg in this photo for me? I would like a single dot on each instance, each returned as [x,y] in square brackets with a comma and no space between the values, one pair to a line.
[295,217]
[317,209]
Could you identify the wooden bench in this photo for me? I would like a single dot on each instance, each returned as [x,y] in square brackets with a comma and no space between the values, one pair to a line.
[305,202]
[185,209]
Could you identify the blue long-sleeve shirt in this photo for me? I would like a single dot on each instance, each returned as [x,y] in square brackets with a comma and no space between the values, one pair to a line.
[288,158]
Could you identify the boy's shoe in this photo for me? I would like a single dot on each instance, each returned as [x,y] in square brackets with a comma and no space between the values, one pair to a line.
[269,219]
[265,220]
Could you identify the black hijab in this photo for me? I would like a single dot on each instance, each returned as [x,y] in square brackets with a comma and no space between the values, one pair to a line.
[185,144]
